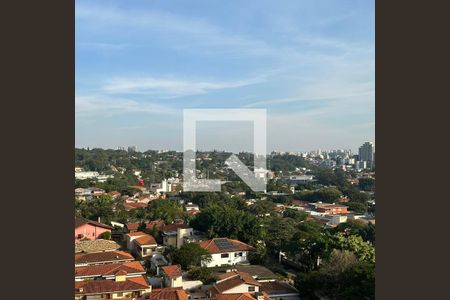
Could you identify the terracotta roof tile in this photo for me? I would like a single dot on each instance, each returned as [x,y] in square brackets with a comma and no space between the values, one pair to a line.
[212,247]
[133,226]
[238,279]
[172,271]
[109,269]
[102,257]
[277,287]
[138,233]
[174,227]
[239,296]
[168,294]
[79,221]
[145,240]
[106,286]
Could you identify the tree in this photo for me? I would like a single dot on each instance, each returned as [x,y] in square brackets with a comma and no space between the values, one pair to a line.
[261,207]
[325,176]
[296,215]
[339,261]
[357,207]
[328,195]
[105,235]
[204,274]
[228,221]
[191,255]
[166,210]
[354,243]
[258,257]
[356,196]
[354,282]
[279,233]
[309,244]
[366,184]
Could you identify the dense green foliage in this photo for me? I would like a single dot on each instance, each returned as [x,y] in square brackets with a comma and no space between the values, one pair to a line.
[190,255]
[366,184]
[204,274]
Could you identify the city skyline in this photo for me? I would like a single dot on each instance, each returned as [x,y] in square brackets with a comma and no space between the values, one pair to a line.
[137,149]
[309,63]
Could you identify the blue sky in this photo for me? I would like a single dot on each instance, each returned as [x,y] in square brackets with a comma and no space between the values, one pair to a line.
[311,64]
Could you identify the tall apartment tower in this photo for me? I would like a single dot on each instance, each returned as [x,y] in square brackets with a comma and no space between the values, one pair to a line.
[367,153]
[132,149]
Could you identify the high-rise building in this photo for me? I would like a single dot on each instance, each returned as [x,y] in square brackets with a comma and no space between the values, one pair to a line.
[367,153]
[132,149]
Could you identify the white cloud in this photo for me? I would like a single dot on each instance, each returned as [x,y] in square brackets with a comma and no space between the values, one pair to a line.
[101,105]
[171,87]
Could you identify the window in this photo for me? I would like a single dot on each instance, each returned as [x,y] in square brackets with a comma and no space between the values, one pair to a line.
[119,294]
[224,255]
[237,254]
[251,288]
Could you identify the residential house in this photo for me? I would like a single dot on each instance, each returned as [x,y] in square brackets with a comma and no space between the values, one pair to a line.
[175,235]
[300,179]
[242,296]
[234,283]
[83,194]
[141,244]
[168,294]
[87,229]
[133,205]
[278,290]
[91,246]
[121,287]
[102,258]
[172,276]
[133,227]
[331,209]
[258,272]
[226,252]
[108,271]
[191,207]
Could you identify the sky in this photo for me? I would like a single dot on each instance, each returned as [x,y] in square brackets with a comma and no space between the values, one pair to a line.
[309,63]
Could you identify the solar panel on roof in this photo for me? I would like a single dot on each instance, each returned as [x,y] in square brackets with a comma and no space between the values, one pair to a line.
[223,244]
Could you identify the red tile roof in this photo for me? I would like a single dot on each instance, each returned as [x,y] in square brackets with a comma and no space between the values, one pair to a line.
[130,206]
[107,286]
[238,279]
[102,257]
[79,221]
[159,224]
[168,294]
[133,226]
[172,271]
[133,267]
[149,225]
[277,287]
[239,296]
[174,227]
[145,240]
[138,233]
[211,246]
[244,275]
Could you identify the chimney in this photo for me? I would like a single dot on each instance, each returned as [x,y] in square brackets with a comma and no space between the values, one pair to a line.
[98,220]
